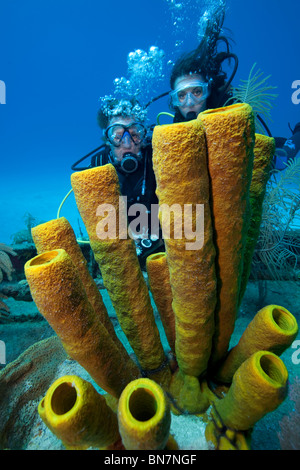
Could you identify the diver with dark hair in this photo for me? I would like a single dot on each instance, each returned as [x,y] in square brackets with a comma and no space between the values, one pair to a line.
[198,83]
[197,79]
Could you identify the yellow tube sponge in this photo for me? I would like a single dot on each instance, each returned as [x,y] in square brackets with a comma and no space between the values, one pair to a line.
[273,329]
[59,234]
[226,439]
[264,150]
[99,201]
[60,297]
[259,386]
[159,281]
[180,166]
[144,416]
[230,140]
[186,393]
[78,415]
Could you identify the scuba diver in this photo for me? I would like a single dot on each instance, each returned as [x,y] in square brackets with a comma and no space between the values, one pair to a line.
[287,149]
[127,146]
[197,79]
[198,83]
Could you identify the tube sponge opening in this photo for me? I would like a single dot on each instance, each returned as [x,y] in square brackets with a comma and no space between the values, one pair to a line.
[78,415]
[63,398]
[44,258]
[142,405]
[60,297]
[273,368]
[144,416]
[284,319]
[273,329]
[259,386]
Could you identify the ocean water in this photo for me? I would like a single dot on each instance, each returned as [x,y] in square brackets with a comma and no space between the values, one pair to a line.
[58,58]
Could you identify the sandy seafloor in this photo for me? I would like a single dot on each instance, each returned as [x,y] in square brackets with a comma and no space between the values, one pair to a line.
[41,199]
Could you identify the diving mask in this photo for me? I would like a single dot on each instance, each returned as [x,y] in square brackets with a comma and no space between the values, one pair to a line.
[190,94]
[117,132]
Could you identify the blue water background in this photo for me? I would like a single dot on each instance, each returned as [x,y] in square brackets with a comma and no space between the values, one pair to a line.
[57,58]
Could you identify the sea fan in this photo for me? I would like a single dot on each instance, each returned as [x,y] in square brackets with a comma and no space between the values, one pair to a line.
[256,92]
[278,247]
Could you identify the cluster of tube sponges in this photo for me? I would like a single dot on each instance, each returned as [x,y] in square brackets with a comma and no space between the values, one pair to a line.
[215,162]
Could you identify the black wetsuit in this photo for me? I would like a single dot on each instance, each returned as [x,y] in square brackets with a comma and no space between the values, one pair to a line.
[290,146]
[139,187]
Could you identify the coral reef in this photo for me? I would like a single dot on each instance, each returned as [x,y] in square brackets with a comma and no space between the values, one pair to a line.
[290,425]
[204,163]
[273,329]
[119,265]
[58,233]
[78,415]
[20,388]
[230,141]
[258,387]
[72,316]
[4,309]
[144,416]
[264,150]
[6,268]
[24,235]
[277,254]
[182,177]
[159,280]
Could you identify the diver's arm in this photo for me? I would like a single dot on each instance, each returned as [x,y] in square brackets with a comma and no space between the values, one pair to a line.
[292,144]
[287,149]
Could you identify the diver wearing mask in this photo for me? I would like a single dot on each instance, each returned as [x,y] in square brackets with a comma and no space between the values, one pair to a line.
[128,148]
[190,95]
[198,81]
[131,156]
[125,139]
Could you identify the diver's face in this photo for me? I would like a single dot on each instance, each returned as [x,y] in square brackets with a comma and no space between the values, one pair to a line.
[191,93]
[127,144]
